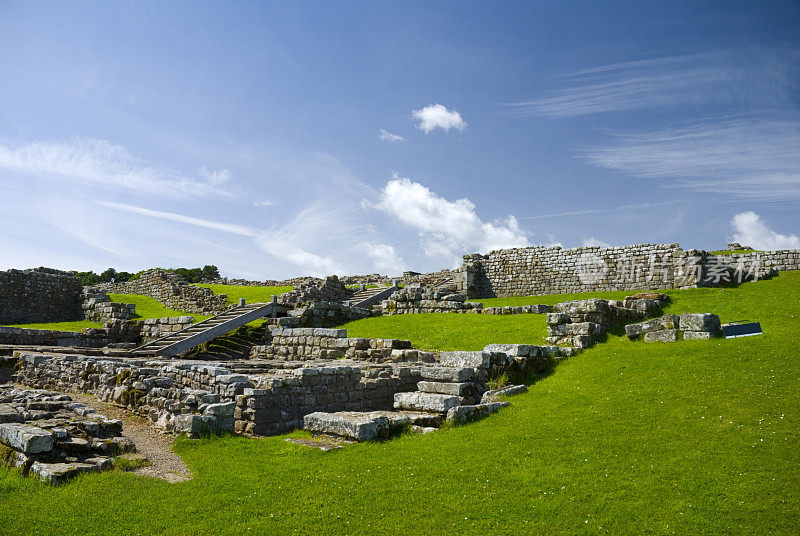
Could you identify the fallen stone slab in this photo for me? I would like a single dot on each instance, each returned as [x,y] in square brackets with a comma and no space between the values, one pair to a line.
[664,335]
[26,438]
[356,425]
[656,324]
[462,359]
[464,414]
[697,335]
[58,473]
[700,322]
[425,402]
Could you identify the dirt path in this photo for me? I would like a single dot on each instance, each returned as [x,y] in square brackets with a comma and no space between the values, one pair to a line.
[150,442]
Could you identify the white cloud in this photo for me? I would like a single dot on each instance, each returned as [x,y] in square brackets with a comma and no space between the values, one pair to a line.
[384,258]
[752,75]
[98,162]
[593,242]
[437,116]
[751,231]
[447,228]
[388,136]
[264,203]
[752,156]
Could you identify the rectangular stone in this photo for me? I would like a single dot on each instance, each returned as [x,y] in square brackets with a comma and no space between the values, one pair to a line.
[359,426]
[448,374]
[26,438]
[462,359]
[700,322]
[448,388]
[664,335]
[696,335]
[656,324]
[425,402]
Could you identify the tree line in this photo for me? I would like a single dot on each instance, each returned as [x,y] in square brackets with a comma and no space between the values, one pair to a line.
[192,275]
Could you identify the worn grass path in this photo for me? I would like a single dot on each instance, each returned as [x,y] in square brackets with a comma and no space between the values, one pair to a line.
[698,437]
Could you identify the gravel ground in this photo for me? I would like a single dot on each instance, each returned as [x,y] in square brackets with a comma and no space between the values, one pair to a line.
[150,442]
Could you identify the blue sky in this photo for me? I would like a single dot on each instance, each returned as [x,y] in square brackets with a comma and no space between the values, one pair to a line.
[279,139]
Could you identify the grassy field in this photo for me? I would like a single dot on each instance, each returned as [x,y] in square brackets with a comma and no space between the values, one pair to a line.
[146,307]
[697,437]
[252,294]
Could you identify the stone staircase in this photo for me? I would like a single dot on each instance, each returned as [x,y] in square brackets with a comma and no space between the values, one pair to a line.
[195,335]
[370,296]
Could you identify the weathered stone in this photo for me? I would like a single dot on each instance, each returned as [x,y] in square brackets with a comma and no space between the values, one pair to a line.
[656,324]
[664,335]
[697,335]
[464,414]
[359,426]
[700,322]
[448,388]
[189,424]
[425,401]
[448,374]
[464,359]
[26,438]
[223,410]
[58,473]
[9,414]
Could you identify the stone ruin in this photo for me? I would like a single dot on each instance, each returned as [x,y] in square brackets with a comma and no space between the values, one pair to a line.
[306,374]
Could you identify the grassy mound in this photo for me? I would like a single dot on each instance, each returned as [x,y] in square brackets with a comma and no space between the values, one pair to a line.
[696,437]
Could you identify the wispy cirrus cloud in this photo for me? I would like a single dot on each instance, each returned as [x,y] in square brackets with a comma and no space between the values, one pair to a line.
[753,156]
[100,163]
[760,76]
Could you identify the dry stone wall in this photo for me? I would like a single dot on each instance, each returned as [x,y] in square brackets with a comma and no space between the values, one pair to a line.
[279,403]
[553,270]
[417,299]
[113,333]
[171,290]
[303,344]
[39,295]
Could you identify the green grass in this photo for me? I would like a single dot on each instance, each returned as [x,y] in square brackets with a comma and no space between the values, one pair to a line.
[251,294]
[697,437]
[147,307]
[78,325]
[729,252]
[449,331]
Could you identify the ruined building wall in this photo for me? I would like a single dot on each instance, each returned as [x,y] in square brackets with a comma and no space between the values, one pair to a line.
[553,270]
[39,295]
[171,290]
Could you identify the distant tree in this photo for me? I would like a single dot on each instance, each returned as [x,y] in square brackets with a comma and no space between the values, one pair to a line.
[108,275]
[210,272]
[123,277]
[87,278]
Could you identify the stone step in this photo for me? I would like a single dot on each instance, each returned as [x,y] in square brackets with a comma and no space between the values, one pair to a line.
[416,401]
[448,374]
[367,425]
[450,388]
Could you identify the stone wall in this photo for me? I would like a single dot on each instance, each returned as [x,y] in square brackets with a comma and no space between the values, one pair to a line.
[322,314]
[113,332]
[330,290]
[416,299]
[98,307]
[279,403]
[553,270]
[155,328]
[303,344]
[171,290]
[160,390]
[39,295]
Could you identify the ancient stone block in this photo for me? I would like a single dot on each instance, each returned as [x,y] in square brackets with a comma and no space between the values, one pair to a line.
[656,324]
[664,335]
[700,322]
[425,402]
[26,438]
[353,425]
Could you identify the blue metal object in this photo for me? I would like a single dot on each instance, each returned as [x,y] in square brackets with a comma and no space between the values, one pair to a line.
[742,330]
